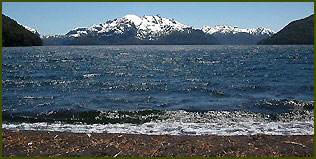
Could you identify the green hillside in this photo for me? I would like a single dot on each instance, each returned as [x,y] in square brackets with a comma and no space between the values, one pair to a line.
[299,32]
[13,34]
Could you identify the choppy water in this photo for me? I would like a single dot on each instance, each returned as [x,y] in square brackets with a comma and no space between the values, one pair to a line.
[223,90]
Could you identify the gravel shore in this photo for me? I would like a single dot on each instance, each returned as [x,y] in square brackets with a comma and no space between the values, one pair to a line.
[57,144]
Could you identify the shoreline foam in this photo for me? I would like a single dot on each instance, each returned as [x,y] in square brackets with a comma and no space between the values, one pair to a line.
[176,128]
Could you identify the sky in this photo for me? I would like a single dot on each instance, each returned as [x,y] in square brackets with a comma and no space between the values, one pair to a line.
[57,18]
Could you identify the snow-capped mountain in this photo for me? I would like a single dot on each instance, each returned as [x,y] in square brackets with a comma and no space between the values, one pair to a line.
[229,35]
[31,30]
[225,29]
[132,29]
[147,27]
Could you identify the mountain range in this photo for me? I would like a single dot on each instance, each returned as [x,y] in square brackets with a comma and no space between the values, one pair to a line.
[157,30]
[132,29]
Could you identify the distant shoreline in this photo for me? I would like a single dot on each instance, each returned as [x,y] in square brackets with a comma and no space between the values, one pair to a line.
[44,143]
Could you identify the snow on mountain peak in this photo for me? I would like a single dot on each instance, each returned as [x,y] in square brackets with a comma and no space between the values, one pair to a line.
[134,18]
[78,31]
[226,29]
[31,30]
[147,27]
[153,27]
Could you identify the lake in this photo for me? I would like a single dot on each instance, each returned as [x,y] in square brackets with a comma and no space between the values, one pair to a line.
[181,90]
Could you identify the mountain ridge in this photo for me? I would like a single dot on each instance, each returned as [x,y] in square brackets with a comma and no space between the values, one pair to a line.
[297,32]
[132,29]
[159,24]
[147,27]
[15,34]
[34,31]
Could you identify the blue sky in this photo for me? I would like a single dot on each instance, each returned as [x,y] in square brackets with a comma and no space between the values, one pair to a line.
[59,18]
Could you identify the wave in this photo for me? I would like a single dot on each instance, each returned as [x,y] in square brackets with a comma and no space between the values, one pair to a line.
[265,110]
[176,128]
[156,122]
[91,75]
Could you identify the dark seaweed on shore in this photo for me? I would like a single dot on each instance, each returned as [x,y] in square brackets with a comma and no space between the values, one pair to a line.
[62,144]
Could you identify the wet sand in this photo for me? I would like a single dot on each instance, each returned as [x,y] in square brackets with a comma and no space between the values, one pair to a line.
[57,144]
